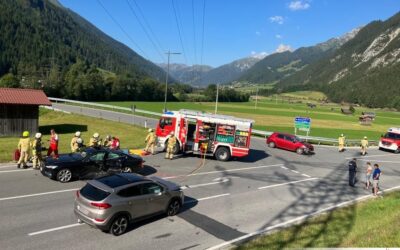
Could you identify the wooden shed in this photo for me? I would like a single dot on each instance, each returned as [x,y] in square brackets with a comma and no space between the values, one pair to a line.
[19,110]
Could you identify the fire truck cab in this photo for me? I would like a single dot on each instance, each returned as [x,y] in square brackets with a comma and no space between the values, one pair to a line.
[206,134]
[391,140]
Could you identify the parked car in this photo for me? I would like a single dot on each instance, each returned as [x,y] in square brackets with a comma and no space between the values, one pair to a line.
[110,203]
[89,164]
[289,142]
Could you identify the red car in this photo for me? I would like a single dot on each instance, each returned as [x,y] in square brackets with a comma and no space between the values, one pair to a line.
[289,142]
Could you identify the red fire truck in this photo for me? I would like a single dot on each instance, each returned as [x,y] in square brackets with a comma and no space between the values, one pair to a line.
[203,133]
[391,140]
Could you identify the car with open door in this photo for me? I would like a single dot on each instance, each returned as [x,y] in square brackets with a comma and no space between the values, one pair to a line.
[90,163]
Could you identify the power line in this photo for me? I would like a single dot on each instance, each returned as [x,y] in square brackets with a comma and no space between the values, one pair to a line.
[179,31]
[202,41]
[148,25]
[122,29]
[145,31]
[194,42]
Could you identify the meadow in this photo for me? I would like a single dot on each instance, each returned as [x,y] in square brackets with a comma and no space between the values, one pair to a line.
[278,115]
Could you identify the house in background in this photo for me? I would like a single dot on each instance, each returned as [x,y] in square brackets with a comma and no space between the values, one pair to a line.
[19,110]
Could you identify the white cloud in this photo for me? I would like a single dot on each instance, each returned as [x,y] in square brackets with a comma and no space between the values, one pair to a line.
[260,55]
[277,36]
[299,5]
[282,48]
[258,33]
[277,19]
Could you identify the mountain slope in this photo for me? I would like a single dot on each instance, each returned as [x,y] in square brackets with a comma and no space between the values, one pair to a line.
[37,34]
[363,70]
[280,65]
[184,73]
[228,72]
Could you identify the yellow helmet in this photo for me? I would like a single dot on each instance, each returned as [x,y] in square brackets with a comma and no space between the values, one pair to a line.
[25,134]
[365,137]
[96,135]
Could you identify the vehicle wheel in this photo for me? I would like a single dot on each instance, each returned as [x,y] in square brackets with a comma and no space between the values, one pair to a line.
[64,175]
[271,144]
[119,225]
[173,207]
[300,151]
[126,170]
[222,154]
[176,148]
[397,151]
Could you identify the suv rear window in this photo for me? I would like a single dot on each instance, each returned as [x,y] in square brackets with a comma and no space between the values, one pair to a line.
[93,193]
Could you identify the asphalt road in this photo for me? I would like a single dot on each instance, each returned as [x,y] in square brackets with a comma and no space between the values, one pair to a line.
[224,200]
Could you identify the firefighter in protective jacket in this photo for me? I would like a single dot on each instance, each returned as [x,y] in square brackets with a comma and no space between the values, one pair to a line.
[171,146]
[364,145]
[24,146]
[341,142]
[37,147]
[74,143]
[151,141]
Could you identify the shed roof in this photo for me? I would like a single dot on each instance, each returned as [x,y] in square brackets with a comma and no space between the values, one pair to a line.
[23,96]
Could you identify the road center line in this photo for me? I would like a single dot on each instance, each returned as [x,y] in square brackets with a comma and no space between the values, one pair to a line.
[286,183]
[38,194]
[222,171]
[306,175]
[298,219]
[205,184]
[54,229]
[16,170]
[207,198]
[284,167]
[294,171]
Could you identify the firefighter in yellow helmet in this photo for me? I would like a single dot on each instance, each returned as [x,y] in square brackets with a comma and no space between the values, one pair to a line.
[171,146]
[95,141]
[341,142]
[107,143]
[74,142]
[37,147]
[151,141]
[364,145]
[24,146]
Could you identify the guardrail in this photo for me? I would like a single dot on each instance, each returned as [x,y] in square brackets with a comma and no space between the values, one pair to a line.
[112,107]
[265,134]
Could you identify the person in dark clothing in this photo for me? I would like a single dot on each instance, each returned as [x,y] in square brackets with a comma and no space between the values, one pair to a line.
[352,172]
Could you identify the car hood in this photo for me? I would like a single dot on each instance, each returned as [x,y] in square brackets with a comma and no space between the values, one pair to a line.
[63,158]
[170,185]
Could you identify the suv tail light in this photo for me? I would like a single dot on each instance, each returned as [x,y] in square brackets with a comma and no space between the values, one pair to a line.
[100,205]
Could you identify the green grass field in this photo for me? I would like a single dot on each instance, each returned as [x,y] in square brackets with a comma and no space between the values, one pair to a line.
[372,223]
[67,124]
[327,120]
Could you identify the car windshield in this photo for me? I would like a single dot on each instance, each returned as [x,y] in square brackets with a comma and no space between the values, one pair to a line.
[392,136]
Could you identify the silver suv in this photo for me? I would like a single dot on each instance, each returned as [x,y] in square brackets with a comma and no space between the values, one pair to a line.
[110,203]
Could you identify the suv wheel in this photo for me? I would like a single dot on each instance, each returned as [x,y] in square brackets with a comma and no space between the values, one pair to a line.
[271,144]
[119,225]
[173,207]
[300,151]
[64,175]
[222,154]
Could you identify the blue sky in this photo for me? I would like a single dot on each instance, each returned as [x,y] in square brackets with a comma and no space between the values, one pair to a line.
[233,29]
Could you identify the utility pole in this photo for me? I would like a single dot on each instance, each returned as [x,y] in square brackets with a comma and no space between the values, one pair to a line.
[216,100]
[256,99]
[169,53]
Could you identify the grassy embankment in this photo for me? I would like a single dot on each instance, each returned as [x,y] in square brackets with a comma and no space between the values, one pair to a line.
[372,223]
[327,120]
[67,124]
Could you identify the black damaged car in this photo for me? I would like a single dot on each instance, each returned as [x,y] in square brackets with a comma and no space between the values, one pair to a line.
[90,163]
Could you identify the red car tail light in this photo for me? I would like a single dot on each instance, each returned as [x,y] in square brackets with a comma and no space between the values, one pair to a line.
[100,205]
[99,220]
[77,194]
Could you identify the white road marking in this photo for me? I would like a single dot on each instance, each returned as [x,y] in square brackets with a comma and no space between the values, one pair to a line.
[306,175]
[205,184]
[222,171]
[369,156]
[207,198]
[284,167]
[55,229]
[287,183]
[16,170]
[294,171]
[295,220]
[38,194]
[381,161]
